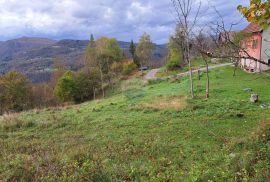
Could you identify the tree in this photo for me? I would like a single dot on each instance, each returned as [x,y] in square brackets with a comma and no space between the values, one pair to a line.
[145,49]
[186,21]
[102,54]
[201,42]
[92,39]
[132,50]
[15,92]
[43,96]
[77,87]
[175,59]
[178,42]
[258,12]
[86,85]
[90,53]
[65,89]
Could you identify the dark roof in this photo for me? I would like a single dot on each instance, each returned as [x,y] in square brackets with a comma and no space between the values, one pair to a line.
[253,28]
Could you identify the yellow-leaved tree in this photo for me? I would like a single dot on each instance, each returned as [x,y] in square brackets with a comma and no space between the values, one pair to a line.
[257,12]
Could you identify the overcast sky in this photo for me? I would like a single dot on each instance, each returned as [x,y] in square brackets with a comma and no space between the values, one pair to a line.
[122,19]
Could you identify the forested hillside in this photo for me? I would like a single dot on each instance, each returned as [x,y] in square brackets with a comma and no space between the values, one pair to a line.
[34,56]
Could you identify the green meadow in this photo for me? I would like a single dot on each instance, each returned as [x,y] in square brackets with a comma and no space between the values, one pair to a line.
[146,132]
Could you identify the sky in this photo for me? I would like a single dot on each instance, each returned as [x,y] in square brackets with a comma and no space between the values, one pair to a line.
[122,19]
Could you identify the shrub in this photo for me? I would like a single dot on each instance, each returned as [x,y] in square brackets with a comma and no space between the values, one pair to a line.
[77,87]
[174,60]
[129,68]
[15,92]
[117,67]
[66,87]
[173,63]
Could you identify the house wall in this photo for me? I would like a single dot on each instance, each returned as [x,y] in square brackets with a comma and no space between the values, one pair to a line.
[265,53]
[253,52]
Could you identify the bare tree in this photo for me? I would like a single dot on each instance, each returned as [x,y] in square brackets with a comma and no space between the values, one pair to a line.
[202,45]
[186,19]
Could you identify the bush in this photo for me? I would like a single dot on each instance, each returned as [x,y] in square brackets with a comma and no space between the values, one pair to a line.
[117,67]
[174,60]
[65,89]
[173,63]
[15,92]
[77,87]
[129,68]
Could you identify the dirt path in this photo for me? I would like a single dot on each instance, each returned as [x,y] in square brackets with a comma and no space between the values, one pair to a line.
[204,69]
[151,75]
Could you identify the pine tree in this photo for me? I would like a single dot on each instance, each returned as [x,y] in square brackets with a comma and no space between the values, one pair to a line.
[132,49]
[92,40]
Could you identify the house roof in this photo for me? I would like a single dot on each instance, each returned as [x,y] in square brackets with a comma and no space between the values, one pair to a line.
[253,28]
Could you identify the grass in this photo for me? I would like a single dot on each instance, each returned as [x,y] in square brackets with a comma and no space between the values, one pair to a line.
[140,133]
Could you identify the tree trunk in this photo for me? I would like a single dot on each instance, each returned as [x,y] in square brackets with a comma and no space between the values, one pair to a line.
[101,79]
[141,67]
[190,68]
[208,80]
[108,67]
[94,93]
[235,67]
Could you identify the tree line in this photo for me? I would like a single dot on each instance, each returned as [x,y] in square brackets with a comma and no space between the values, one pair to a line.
[104,64]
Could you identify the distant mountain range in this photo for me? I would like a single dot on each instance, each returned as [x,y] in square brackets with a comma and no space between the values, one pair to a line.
[34,56]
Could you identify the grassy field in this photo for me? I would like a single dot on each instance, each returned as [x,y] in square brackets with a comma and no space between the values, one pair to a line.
[150,132]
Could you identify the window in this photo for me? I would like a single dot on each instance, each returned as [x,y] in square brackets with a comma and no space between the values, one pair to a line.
[254,44]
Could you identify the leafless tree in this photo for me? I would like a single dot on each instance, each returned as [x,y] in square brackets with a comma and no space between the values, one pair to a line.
[187,12]
[202,44]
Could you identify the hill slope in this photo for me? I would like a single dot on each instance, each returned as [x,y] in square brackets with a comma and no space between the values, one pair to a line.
[146,133]
[12,49]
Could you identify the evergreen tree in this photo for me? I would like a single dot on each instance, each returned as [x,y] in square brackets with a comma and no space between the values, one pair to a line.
[92,40]
[132,49]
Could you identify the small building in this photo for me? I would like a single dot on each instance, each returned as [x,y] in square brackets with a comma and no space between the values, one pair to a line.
[256,45]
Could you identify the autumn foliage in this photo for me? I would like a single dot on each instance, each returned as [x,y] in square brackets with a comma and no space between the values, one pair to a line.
[258,12]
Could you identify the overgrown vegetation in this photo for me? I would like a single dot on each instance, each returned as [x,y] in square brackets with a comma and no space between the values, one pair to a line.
[130,136]
[174,59]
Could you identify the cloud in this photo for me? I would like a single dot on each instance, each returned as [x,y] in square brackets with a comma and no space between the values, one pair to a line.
[77,19]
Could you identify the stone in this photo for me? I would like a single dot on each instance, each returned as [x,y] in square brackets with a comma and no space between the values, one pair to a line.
[254,98]
[215,60]
[232,155]
[262,106]
[248,90]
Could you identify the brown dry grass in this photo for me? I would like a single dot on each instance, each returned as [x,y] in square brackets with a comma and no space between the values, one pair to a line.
[173,102]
